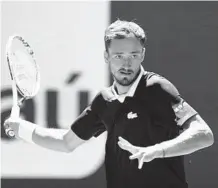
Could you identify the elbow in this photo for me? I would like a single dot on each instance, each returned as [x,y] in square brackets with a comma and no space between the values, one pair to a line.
[68,148]
[208,138]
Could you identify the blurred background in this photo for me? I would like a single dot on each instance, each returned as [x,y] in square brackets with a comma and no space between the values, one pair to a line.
[67,38]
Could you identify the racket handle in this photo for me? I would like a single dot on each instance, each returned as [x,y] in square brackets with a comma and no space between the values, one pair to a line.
[9,132]
[15,113]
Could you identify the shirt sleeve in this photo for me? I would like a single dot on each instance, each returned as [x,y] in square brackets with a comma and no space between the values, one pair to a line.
[183,111]
[88,123]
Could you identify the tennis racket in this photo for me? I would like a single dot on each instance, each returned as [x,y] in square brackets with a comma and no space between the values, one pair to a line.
[24,73]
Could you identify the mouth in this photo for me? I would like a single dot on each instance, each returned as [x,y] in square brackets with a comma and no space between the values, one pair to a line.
[126,72]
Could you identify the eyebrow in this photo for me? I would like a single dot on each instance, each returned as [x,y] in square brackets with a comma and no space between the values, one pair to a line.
[139,51]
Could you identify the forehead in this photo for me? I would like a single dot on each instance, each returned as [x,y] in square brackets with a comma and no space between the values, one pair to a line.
[126,45]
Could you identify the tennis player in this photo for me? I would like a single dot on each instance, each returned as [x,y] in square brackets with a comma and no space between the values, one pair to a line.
[150,126]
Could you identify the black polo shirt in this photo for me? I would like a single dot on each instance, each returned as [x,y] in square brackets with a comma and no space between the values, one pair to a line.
[155,113]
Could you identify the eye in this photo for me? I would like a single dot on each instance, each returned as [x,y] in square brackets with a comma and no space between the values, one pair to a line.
[134,56]
[117,57]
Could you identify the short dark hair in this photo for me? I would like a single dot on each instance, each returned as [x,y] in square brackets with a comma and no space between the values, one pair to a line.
[121,29]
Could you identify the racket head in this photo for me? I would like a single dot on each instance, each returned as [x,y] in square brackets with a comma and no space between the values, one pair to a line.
[23,68]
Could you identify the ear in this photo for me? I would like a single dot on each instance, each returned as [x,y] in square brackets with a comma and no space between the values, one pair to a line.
[106,56]
[143,53]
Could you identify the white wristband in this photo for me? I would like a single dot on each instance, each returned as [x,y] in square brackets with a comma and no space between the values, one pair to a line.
[26,130]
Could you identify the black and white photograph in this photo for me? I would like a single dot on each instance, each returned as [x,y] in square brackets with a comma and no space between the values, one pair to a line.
[109,94]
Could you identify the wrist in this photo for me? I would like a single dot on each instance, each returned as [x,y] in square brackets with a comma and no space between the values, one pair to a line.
[26,130]
[160,151]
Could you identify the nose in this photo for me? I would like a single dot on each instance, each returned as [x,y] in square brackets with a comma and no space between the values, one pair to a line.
[127,62]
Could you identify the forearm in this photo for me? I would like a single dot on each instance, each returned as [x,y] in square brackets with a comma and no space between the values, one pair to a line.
[187,142]
[48,138]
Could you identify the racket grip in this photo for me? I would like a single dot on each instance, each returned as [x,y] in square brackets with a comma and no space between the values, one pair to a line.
[9,132]
[15,113]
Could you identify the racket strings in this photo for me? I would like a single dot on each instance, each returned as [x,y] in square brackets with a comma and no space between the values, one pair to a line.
[25,71]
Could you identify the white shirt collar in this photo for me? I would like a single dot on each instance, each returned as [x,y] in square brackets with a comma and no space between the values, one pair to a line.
[132,89]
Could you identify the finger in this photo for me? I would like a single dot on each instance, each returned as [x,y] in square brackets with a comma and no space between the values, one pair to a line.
[141,162]
[123,140]
[129,148]
[6,124]
[127,145]
[9,121]
[124,146]
[136,155]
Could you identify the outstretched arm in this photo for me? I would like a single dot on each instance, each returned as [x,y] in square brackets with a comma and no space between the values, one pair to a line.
[88,124]
[64,140]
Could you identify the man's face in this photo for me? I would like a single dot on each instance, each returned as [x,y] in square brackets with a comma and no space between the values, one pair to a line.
[125,57]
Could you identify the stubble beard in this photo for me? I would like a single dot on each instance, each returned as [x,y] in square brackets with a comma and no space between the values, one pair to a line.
[126,81]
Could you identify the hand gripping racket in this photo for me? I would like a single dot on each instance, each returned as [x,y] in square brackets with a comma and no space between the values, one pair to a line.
[24,73]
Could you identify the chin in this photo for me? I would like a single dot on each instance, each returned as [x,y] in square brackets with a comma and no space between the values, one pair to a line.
[125,81]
